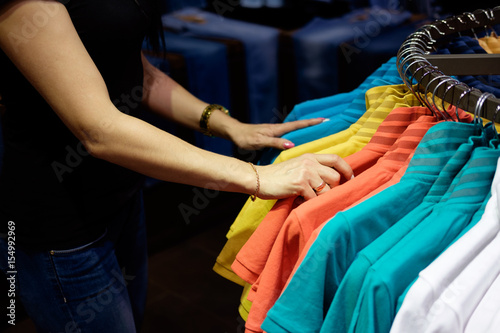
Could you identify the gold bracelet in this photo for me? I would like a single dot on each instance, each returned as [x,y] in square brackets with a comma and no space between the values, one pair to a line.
[257,187]
[205,117]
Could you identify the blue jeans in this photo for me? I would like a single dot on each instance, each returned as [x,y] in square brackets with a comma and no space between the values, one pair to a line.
[98,287]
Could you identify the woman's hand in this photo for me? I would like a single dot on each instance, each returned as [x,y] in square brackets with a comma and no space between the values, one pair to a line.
[164,96]
[302,175]
[257,136]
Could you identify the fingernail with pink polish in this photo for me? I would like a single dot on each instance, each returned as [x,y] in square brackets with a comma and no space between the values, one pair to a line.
[288,145]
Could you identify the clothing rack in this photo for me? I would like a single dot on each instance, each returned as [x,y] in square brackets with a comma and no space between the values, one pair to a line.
[426,73]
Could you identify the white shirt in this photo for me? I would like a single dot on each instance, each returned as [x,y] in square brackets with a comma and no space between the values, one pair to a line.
[456,304]
[486,316]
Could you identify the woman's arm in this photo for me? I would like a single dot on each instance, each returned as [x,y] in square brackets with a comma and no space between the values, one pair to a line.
[78,95]
[166,97]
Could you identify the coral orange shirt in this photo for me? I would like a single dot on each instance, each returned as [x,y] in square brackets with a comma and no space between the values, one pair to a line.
[303,220]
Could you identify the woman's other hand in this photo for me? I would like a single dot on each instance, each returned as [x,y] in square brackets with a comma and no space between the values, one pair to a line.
[257,136]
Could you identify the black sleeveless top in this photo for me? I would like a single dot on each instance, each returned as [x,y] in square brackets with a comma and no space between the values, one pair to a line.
[56,193]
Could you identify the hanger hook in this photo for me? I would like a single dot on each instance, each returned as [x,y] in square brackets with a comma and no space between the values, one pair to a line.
[420,33]
[496,113]
[436,28]
[419,85]
[416,59]
[414,41]
[403,60]
[425,65]
[412,87]
[445,114]
[403,53]
[424,31]
[472,17]
[488,13]
[479,105]
[459,19]
[452,85]
[462,95]
[448,25]
[413,58]
[426,93]
[491,16]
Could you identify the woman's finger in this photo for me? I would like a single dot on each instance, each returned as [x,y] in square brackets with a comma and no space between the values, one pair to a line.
[308,193]
[283,128]
[336,162]
[276,143]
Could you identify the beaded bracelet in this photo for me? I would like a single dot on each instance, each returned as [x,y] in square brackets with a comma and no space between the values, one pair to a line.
[205,117]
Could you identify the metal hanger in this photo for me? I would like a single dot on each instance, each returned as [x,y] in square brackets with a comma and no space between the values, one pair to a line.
[496,113]
[436,28]
[419,85]
[473,18]
[412,86]
[407,52]
[414,41]
[452,86]
[490,16]
[479,107]
[401,65]
[426,93]
[462,95]
[445,114]
[414,59]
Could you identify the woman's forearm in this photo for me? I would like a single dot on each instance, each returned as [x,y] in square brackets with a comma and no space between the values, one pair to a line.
[141,147]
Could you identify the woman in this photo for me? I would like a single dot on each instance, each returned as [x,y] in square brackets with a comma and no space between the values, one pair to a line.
[72,77]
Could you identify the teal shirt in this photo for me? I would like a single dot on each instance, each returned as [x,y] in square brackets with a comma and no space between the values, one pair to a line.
[490,131]
[475,219]
[303,304]
[390,275]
